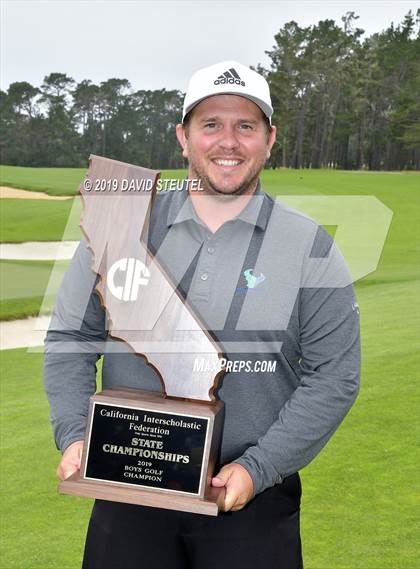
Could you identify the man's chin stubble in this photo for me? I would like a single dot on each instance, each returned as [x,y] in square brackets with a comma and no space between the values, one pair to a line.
[210,188]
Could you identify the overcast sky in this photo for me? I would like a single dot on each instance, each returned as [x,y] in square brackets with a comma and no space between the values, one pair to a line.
[158,44]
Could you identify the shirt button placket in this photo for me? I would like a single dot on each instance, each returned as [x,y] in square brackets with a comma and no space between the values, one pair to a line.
[205,270]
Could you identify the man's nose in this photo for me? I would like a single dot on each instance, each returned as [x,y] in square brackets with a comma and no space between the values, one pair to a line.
[229,138]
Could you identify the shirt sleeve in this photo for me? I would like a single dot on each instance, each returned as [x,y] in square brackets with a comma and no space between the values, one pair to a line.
[73,345]
[329,376]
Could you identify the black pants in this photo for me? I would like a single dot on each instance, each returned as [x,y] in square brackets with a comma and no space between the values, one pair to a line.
[264,535]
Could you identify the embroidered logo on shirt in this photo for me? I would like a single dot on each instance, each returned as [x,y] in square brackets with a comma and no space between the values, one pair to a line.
[251,280]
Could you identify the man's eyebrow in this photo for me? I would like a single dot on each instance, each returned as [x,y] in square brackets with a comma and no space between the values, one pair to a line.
[214,118]
[206,119]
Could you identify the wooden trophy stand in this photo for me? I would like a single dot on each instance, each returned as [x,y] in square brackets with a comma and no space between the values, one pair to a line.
[141,447]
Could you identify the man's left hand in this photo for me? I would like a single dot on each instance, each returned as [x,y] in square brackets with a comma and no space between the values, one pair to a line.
[238,484]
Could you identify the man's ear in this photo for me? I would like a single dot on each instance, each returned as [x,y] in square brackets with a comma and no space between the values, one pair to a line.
[271,139]
[182,139]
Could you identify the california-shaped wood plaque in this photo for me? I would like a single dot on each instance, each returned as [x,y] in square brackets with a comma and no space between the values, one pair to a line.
[141,447]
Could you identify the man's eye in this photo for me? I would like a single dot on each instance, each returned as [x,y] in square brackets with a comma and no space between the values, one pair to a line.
[245,126]
[210,125]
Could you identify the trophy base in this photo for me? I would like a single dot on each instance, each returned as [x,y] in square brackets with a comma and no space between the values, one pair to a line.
[210,505]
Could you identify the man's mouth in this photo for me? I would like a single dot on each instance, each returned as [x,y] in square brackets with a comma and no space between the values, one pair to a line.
[227,162]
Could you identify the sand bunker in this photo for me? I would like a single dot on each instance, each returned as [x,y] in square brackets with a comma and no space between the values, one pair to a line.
[29,332]
[38,250]
[6,192]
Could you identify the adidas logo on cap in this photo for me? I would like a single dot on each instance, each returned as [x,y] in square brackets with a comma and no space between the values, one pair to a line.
[229,77]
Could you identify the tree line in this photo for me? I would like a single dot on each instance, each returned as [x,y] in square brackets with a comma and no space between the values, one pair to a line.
[341,101]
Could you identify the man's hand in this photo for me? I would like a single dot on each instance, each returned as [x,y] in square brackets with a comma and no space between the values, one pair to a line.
[239,486]
[70,461]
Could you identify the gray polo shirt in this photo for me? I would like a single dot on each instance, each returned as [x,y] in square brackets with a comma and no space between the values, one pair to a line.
[272,290]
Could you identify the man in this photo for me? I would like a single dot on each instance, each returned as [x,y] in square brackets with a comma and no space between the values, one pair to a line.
[274,292]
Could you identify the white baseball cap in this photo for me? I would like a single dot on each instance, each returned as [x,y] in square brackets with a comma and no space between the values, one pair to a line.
[228,77]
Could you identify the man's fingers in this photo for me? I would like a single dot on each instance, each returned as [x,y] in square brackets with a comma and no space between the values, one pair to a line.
[67,467]
[239,504]
[222,478]
[217,482]
[230,500]
[70,461]
[239,486]
[64,472]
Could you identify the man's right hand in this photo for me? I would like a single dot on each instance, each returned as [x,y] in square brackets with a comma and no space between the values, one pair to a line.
[70,461]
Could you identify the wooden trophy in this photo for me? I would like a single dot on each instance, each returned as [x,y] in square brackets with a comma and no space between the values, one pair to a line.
[142,447]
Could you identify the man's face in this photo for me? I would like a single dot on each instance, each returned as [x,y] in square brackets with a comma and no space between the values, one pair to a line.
[227,144]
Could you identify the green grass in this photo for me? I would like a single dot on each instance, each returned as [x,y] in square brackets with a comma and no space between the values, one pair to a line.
[400,192]
[53,181]
[360,500]
[24,284]
[359,508]
[38,220]
[40,529]
[25,307]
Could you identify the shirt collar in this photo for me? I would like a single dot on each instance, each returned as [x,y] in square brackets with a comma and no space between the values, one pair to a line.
[256,212]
